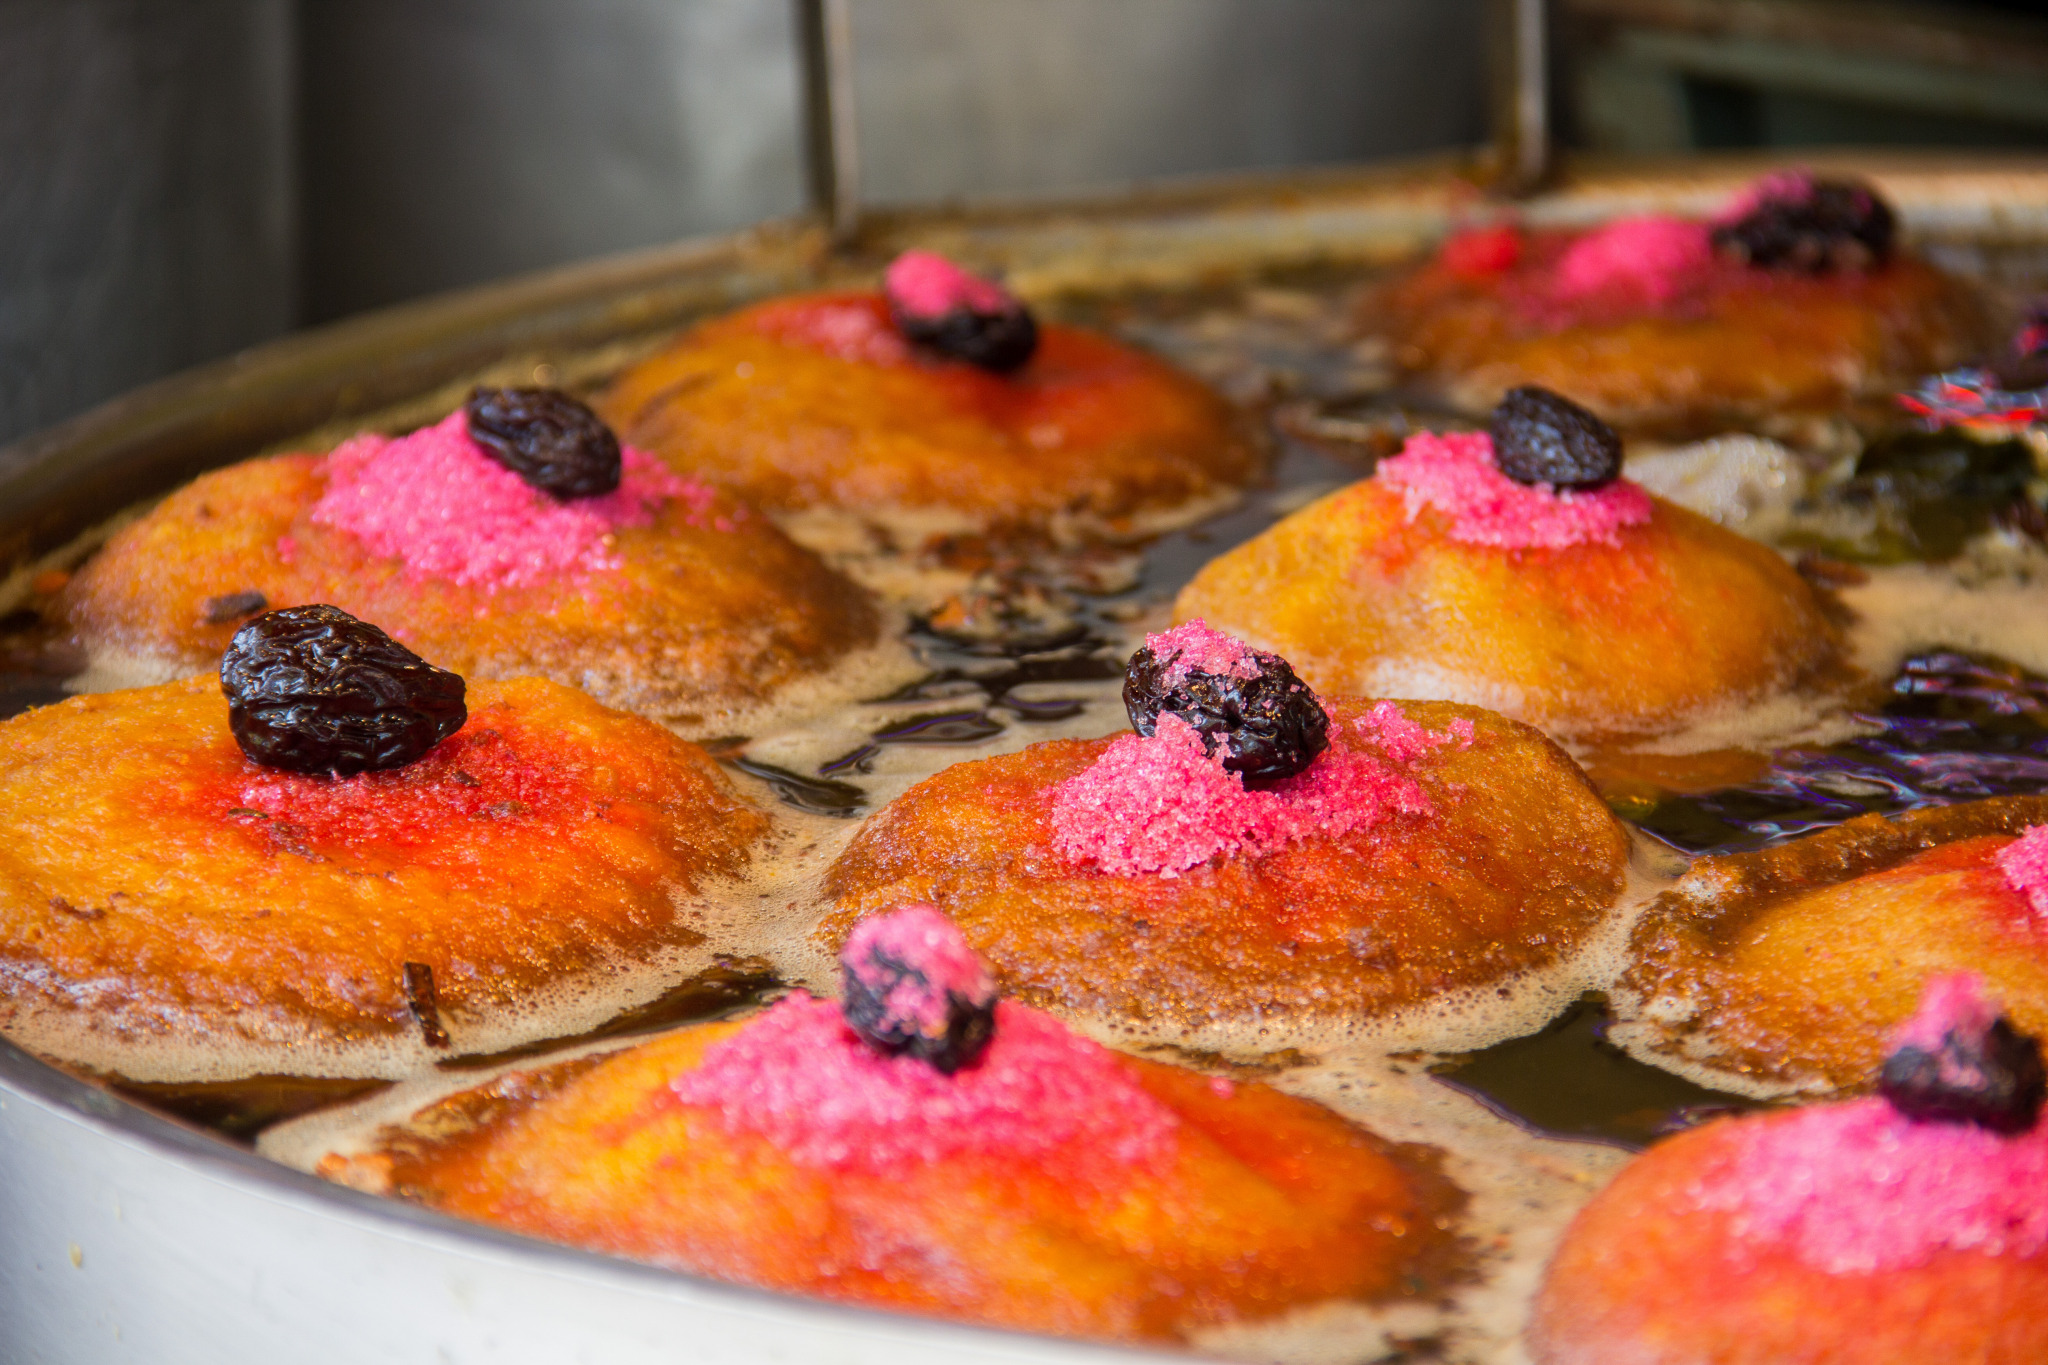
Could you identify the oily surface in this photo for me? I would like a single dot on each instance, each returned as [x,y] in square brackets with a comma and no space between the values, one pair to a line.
[699,619]
[1089,427]
[1260,1201]
[154,878]
[1646,1277]
[1756,344]
[1679,616]
[1794,964]
[1514,867]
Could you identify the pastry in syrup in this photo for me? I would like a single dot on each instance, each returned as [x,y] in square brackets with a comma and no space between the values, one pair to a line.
[1907,1227]
[515,537]
[1788,967]
[1252,852]
[1517,569]
[934,405]
[337,859]
[1797,299]
[929,1148]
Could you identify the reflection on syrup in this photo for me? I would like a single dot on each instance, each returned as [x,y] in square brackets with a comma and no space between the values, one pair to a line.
[1567,1081]
[1955,727]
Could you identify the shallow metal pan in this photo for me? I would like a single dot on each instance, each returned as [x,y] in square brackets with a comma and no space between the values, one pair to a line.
[125,1236]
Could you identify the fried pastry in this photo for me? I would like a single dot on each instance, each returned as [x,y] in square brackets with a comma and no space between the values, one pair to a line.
[658,595]
[873,405]
[1788,967]
[1891,1230]
[1795,300]
[1029,1179]
[1467,569]
[171,908]
[1254,853]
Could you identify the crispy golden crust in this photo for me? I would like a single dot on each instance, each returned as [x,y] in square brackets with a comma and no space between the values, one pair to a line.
[156,882]
[1263,1202]
[1647,1277]
[699,621]
[1763,344]
[1791,965]
[1515,867]
[1678,618]
[1089,429]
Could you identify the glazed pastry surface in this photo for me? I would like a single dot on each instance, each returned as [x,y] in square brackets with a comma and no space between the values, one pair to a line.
[1697,1255]
[1508,862]
[1789,966]
[1736,345]
[815,401]
[155,884]
[1673,617]
[1180,1201]
[697,614]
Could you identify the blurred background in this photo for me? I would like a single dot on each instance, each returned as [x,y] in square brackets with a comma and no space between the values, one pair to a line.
[179,180]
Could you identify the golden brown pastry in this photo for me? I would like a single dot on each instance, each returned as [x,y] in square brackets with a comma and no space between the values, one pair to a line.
[1028,1179]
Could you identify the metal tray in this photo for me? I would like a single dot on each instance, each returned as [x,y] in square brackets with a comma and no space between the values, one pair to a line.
[127,1236]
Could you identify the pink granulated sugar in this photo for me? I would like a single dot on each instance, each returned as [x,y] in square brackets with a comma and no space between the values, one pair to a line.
[1198,648]
[2024,862]
[924,284]
[1858,1187]
[940,963]
[1649,260]
[1952,1002]
[1454,474]
[799,1077]
[1403,740]
[439,502]
[1161,805]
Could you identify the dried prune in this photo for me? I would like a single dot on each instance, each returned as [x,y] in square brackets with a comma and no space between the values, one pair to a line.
[314,690]
[1992,1078]
[912,986]
[547,438]
[1269,725]
[1543,437]
[936,304]
[1812,227]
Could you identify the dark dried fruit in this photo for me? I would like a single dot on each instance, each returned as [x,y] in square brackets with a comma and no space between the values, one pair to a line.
[314,690]
[547,438]
[1269,726]
[1000,342]
[1812,227]
[1543,437]
[1993,1079]
[935,303]
[897,1007]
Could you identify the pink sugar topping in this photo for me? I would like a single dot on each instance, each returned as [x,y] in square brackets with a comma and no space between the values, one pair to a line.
[438,501]
[2024,862]
[1454,473]
[799,1077]
[1402,740]
[1952,1002]
[935,953]
[1648,260]
[1161,805]
[924,284]
[1198,648]
[1858,1187]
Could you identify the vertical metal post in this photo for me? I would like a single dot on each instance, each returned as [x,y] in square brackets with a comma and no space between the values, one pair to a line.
[832,130]
[1522,113]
